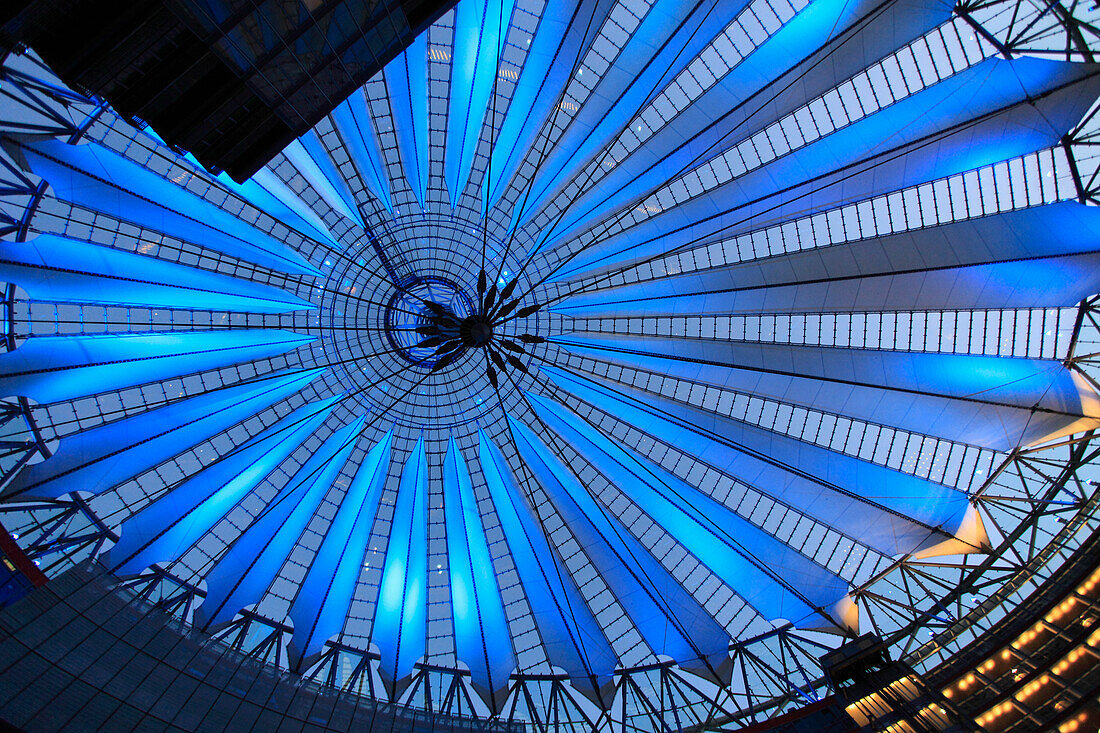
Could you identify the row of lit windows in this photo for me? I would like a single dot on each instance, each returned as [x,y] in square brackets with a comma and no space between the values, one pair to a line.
[1036,333]
[1030,180]
[1012,663]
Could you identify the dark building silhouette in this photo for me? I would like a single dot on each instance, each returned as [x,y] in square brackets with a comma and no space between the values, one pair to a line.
[231,82]
[599,366]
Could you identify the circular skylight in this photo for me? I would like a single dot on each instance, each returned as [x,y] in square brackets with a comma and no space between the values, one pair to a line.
[647,341]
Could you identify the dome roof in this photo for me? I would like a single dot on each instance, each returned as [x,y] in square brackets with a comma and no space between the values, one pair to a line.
[584,341]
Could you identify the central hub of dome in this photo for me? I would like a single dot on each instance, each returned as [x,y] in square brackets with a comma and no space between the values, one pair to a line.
[427,314]
[476,331]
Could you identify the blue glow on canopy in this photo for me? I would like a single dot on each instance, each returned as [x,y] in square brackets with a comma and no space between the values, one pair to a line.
[50,267]
[678,30]
[668,617]
[56,368]
[244,572]
[699,132]
[407,83]
[1044,282]
[934,118]
[167,527]
[400,619]
[908,512]
[564,33]
[322,603]
[482,640]
[96,459]
[309,156]
[267,192]
[270,193]
[775,579]
[995,261]
[1018,400]
[623,511]
[103,180]
[479,35]
[569,632]
[354,124]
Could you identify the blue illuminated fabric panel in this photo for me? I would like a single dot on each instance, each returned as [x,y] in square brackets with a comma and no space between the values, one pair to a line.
[671,620]
[480,29]
[55,368]
[270,194]
[667,39]
[96,459]
[165,529]
[892,511]
[50,267]
[400,618]
[772,81]
[990,401]
[563,37]
[1039,256]
[482,636]
[982,115]
[103,180]
[309,156]
[321,607]
[354,124]
[775,579]
[254,558]
[407,82]
[568,630]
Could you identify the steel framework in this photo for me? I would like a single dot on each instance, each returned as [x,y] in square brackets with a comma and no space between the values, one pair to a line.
[1037,506]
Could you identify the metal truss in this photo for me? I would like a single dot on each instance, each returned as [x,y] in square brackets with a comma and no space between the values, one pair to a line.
[35,102]
[57,534]
[1037,506]
[21,441]
[1082,148]
[258,638]
[1058,29]
[163,591]
[349,670]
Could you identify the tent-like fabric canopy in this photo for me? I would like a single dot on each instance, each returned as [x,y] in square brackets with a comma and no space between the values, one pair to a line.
[587,336]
